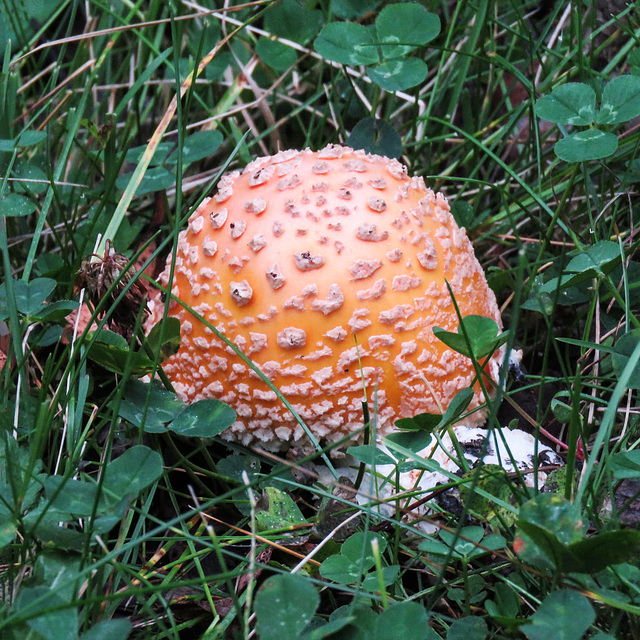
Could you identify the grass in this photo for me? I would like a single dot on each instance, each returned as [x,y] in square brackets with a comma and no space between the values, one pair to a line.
[113,524]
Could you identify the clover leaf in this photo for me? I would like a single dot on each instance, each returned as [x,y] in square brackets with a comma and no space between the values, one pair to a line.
[383,48]
[574,104]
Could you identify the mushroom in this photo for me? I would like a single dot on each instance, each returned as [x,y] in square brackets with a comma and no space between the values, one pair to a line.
[329,271]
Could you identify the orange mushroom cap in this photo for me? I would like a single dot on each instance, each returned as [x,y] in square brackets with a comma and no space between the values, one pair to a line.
[324,268]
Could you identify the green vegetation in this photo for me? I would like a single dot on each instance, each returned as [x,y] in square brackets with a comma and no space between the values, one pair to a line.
[121,513]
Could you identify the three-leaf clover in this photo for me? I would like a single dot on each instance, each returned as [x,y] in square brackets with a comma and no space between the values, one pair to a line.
[574,104]
[383,47]
[355,560]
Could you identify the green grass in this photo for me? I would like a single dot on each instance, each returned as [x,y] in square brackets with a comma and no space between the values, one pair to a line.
[112,524]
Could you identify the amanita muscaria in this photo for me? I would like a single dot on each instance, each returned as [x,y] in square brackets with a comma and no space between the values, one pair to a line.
[324,268]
